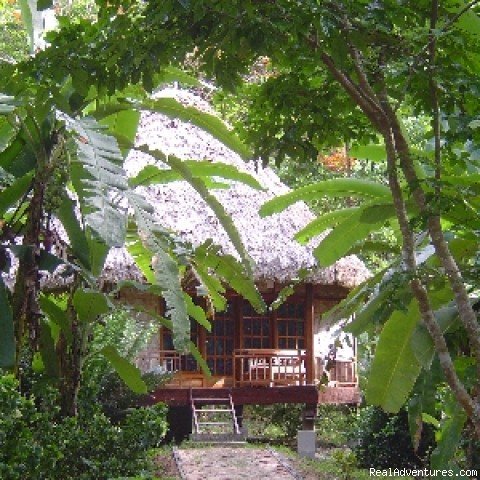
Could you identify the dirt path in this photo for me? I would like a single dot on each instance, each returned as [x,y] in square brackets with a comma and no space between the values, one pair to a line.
[232,463]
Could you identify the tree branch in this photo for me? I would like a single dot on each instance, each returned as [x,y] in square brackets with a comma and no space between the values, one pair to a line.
[434,96]
[418,289]
[355,92]
[466,313]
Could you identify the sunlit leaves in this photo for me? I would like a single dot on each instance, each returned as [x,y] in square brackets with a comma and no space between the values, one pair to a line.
[395,368]
[100,180]
[129,373]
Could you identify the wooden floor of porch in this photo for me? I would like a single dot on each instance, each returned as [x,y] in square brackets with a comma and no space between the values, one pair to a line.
[306,394]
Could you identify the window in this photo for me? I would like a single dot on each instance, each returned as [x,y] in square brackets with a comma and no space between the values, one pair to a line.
[187,362]
[257,332]
[291,326]
[220,342]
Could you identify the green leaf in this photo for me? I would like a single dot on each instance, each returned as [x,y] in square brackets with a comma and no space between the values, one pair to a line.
[354,228]
[422,343]
[209,258]
[57,315]
[289,289]
[7,104]
[197,312]
[322,223]
[49,262]
[468,21]
[173,74]
[353,301]
[123,126]
[98,252]
[46,261]
[394,369]
[339,187]
[47,350]
[166,271]
[7,334]
[202,169]
[199,359]
[372,152]
[142,257]
[129,373]
[27,20]
[374,246]
[378,308]
[12,194]
[90,304]
[7,134]
[210,123]
[450,436]
[430,420]
[421,405]
[76,235]
[214,287]
[44,4]
[99,178]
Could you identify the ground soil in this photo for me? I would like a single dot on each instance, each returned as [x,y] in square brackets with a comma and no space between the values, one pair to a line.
[165,466]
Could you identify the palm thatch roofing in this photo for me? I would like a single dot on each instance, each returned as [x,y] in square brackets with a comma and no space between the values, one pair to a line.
[269,241]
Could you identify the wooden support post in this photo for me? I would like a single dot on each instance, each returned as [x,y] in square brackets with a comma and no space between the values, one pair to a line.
[239,414]
[308,418]
[309,335]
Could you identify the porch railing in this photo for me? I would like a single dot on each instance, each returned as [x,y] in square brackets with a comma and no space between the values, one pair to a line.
[168,360]
[260,367]
[343,374]
[269,367]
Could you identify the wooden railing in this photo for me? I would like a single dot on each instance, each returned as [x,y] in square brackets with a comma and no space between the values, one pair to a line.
[343,374]
[169,360]
[264,367]
[261,367]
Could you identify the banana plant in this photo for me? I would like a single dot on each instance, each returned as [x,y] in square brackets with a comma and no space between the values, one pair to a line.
[383,305]
[64,169]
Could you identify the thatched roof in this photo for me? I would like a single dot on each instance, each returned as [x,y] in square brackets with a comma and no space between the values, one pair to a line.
[178,207]
[269,241]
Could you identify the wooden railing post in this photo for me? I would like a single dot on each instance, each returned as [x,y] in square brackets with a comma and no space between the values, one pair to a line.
[309,335]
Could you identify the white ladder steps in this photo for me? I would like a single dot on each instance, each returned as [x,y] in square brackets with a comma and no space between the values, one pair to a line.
[202,417]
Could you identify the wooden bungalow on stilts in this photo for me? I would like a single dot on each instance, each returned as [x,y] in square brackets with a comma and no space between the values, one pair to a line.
[279,356]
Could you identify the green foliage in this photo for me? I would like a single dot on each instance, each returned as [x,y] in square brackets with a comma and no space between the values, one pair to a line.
[207,122]
[7,342]
[347,461]
[273,421]
[13,36]
[203,169]
[347,187]
[125,370]
[98,175]
[394,369]
[384,441]
[335,424]
[37,445]
[109,384]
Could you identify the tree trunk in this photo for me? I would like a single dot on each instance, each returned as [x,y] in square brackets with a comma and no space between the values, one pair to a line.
[70,360]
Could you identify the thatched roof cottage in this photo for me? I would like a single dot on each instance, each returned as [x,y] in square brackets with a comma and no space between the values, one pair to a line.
[244,348]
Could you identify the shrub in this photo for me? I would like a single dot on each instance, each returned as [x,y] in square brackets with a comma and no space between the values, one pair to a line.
[334,425]
[101,385]
[279,420]
[36,445]
[383,440]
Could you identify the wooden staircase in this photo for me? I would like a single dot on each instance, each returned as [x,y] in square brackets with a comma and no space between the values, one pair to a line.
[214,417]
